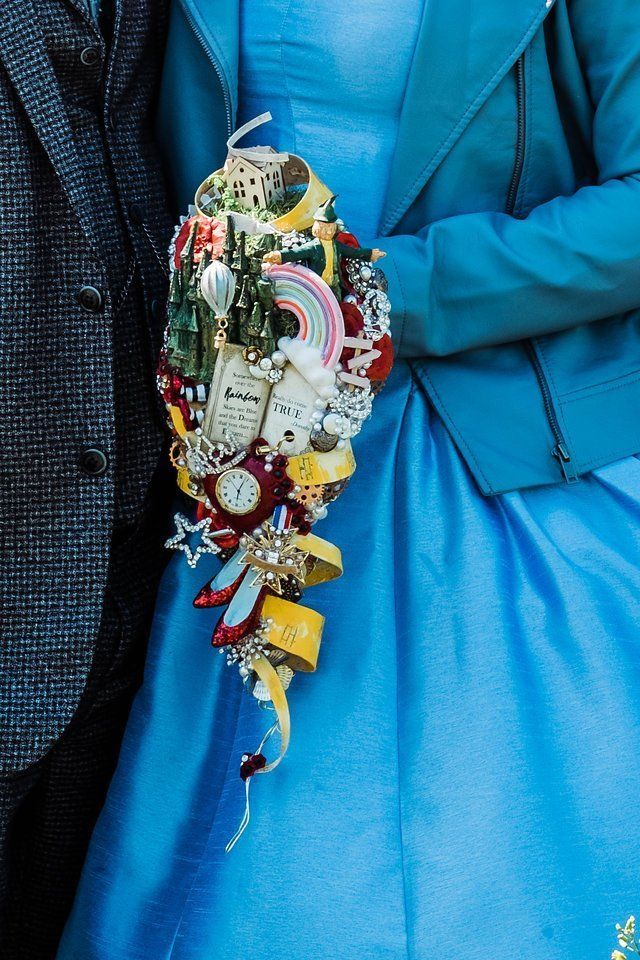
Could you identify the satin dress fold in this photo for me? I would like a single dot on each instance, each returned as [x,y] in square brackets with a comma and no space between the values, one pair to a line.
[464,768]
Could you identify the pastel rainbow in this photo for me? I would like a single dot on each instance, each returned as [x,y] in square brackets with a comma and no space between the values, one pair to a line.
[314,305]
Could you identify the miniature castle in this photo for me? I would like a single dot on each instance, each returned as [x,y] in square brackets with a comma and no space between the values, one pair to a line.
[254,183]
[254,319]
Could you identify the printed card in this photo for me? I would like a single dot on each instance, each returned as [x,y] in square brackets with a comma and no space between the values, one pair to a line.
[290,407]
[237,401]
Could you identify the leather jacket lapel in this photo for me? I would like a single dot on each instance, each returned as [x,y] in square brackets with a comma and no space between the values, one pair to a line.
[463,51]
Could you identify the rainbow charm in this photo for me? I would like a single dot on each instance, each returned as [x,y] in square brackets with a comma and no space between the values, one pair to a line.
[312,302]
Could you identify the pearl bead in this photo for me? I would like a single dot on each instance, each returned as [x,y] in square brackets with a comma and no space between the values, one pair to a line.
[331,424]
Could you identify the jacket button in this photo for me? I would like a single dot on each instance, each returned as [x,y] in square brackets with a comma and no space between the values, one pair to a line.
[89,56]
[93,462]
[90,299]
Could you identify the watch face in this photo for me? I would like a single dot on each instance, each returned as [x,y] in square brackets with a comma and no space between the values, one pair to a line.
[238,491]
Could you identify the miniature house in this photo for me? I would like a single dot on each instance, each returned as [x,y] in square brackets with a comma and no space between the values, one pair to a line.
[254,183]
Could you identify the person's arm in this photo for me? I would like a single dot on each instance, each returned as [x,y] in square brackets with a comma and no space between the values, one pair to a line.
[488,278]
[354,253]
[305,252]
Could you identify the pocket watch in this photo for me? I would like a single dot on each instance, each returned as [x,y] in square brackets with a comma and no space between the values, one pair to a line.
[243,496]
[238,491]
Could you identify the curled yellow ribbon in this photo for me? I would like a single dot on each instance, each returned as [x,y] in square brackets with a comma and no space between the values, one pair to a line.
[291,627]
[278,697]
[294,629]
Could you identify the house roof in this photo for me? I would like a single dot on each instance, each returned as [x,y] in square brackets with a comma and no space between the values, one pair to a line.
[260,166]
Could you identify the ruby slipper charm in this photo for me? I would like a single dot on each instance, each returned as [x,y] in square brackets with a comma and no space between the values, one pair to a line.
[221,590]
[242,615]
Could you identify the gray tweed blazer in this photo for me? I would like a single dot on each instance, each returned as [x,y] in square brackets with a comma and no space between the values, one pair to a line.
[57,380]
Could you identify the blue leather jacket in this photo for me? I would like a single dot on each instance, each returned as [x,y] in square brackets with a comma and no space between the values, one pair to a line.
[512,219]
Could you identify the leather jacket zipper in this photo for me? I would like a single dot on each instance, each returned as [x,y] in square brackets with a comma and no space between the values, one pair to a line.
[214,63]
[518,165]
[560,451]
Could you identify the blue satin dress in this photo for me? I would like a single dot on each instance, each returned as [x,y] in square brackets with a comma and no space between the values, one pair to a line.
[464,770]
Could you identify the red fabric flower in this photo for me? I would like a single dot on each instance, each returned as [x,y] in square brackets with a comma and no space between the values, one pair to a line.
[353,319]
[381,368]
[210,236]
[353,325]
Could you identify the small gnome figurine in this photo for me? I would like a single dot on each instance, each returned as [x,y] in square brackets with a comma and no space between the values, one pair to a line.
[323,253]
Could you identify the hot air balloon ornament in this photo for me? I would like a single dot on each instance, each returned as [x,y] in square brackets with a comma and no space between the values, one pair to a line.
[277,342]
[218,287]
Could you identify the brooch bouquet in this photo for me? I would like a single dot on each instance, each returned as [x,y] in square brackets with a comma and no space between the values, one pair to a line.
[277,342]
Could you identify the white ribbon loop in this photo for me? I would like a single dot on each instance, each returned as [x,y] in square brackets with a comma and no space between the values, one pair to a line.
[253,154]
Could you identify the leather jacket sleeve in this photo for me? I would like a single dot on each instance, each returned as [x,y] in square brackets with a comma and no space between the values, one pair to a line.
[483,279]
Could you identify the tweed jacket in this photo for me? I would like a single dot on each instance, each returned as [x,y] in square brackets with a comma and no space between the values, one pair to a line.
[81,206]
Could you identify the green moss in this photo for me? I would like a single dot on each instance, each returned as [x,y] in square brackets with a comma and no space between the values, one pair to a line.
[227,203]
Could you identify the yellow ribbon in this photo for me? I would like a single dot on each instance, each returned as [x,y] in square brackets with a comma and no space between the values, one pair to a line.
[295,630]
[316,468]
[278,697]
[292,628]
[178,422]
[302,215]
[324,562]
[273,684]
